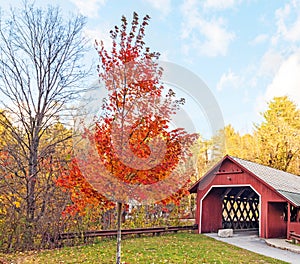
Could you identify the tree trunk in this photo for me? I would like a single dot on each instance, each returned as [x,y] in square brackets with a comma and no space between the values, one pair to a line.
[31,203]
[119,213]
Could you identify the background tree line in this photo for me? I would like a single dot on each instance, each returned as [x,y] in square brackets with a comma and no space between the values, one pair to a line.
[41,74]
[275,142]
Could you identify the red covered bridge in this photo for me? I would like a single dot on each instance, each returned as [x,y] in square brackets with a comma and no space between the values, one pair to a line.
[240,194]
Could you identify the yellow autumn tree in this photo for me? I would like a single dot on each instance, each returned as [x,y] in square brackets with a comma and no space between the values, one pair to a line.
[278,136]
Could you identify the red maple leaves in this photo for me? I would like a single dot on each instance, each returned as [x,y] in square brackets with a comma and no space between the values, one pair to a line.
[133,140]
[82,194]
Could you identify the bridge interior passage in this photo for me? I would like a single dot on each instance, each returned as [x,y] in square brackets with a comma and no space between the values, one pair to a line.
[240,208]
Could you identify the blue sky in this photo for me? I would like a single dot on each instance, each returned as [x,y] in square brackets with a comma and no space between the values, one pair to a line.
[246,51]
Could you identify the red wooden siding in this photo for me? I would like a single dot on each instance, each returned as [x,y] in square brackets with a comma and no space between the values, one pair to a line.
[277,227]
[212,212]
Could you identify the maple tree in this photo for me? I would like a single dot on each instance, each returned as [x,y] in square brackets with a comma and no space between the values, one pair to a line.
[135,155]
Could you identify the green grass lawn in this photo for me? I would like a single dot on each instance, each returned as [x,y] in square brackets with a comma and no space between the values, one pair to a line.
[173,248]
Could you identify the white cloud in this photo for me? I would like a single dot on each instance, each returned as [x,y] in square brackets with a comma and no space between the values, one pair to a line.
[288,22]
[185,49]
[219,4]
[191,17]
[261,105]
[217,38]
[164,6]
[261,38]
[206,36]
[270,63]
[287,80]
[100,35]
[89,8]
[229,80]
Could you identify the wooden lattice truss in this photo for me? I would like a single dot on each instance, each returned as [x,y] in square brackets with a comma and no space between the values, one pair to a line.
[240,208]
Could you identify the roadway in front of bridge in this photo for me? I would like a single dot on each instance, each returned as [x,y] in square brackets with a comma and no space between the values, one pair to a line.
[275,248]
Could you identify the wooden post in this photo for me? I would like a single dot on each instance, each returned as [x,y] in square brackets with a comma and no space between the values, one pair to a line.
[119,213]
[288,220]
